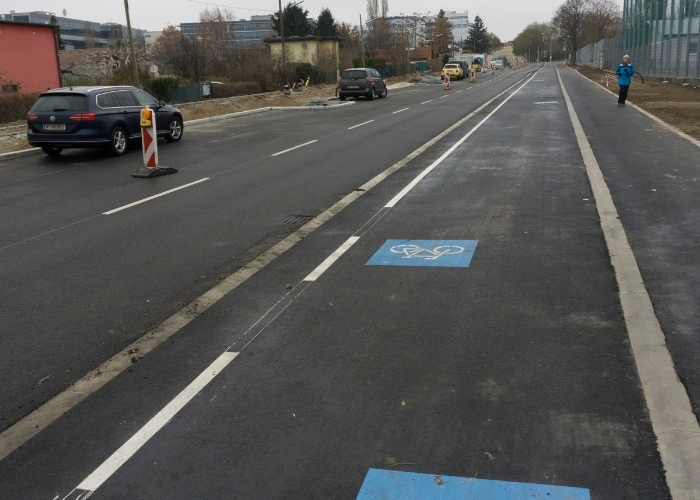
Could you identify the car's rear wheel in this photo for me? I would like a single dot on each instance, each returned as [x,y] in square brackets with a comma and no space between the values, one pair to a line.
[51,151]
[118,141]
[174,130]
[342,97]
[383,93]
[370,94]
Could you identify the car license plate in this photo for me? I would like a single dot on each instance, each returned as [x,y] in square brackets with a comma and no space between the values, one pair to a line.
[353,86]
[56,126]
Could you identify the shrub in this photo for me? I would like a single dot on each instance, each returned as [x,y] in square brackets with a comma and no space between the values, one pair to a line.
[307,70]
[162,88]
[220,90]
[370,62]
[14,106]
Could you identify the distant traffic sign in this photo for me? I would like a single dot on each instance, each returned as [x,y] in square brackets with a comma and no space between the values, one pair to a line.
[433,253]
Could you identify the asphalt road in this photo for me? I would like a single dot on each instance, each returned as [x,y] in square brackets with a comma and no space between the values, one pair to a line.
[510,363]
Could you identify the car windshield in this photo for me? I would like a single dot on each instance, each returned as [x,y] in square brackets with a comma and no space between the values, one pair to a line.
[451,66]
[353,75]
[61,102]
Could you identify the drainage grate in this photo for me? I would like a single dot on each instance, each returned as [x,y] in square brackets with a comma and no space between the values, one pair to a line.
[298,219]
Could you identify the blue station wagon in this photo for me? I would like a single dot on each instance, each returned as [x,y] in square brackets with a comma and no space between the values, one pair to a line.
[89,117]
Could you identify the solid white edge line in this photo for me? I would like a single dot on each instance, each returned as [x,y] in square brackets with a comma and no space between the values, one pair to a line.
[154,197]
[359,125]
[295,147]
[127,450]
[447,153]
[672,418]
[314,275]
[399,111]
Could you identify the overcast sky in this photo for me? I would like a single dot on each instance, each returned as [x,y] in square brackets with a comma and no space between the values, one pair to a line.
[505,18]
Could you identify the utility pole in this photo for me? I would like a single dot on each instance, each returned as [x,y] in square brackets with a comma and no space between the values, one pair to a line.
[550,47]
[284,55]
[131,44]
[362,41]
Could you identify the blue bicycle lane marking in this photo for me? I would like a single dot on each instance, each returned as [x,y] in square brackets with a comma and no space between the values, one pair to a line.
[397,485]
[430,253]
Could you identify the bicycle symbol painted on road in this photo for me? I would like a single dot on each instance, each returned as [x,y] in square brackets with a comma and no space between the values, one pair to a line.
[433,253]
[416,252]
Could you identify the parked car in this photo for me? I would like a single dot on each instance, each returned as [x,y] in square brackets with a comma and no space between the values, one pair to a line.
[454,70]
[462,64]
[90,117]
[498,64]
[356,82]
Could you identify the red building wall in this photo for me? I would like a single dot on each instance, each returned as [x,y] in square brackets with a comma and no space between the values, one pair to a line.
[29,57]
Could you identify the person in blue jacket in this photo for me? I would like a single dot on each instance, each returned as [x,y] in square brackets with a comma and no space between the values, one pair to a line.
[624,77]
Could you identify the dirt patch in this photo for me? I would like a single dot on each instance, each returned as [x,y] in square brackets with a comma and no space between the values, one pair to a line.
[207,109]
[674,103]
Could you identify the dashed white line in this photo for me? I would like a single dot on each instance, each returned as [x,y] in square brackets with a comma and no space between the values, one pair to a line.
[426,102]
[331,259]
[119,457]
[295,147]
[154,196]
[444,96]
[359,125]
[399,111]
[458,91]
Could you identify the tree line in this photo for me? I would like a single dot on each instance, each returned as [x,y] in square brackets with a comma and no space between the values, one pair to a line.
[575,24]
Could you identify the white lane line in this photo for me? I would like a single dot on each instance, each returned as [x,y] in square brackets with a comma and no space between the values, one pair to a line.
[447,153]
[154,197]
[458,91]
[127,450]
[295,147]
[672,418]
[444,96]
[331,259]
[426,102]
[365,123]
[399,111]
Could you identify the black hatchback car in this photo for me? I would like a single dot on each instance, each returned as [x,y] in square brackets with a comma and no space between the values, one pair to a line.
[356,82]
[89,117]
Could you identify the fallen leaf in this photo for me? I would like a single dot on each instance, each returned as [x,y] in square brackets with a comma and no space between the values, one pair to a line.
[403,403]
[489,455]
[288,287]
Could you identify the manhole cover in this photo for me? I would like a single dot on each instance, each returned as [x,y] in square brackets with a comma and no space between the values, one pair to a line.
[294,220]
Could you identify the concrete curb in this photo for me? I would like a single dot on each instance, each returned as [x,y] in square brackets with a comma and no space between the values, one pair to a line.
[672,418]
[20,154]
[36,151]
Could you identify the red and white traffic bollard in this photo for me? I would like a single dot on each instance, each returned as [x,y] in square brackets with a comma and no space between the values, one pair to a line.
[149,147]
[473,79]
[447,81]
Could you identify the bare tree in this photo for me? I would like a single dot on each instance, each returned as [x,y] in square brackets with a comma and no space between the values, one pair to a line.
[216,34]
[603,20]
[183,56]
[385,7]
[372,9]
[569,21]
[350,46]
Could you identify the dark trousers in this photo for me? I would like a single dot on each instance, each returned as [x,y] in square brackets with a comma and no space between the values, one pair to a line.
[623,94]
